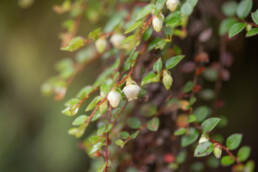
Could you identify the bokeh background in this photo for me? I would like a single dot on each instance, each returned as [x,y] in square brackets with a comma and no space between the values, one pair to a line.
[33,132]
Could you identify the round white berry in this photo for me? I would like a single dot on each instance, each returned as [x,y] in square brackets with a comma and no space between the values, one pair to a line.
[172,4]
[131,91]
[101,45]
[157,22]
[114,98]
[117,40]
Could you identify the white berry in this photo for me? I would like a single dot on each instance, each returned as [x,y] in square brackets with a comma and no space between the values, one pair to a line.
[114,98]
[157,22]
[117,40]
[131,91]
[172,4]
[101,45]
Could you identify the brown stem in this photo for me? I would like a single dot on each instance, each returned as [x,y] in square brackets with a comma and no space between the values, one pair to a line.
[227,151]
[107,138]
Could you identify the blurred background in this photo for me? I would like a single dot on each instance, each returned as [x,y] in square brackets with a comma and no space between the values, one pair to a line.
[33,132]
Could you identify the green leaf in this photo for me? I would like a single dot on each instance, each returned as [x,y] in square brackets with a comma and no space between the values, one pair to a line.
[186,9]
[94,34]
[84,92]
[159,5]
[229,8]
[80,120]
[135,134]
[212,162]
[173,61]
[149,78]
[227,160]
[201,113]
[93,103]
[104,129]
[252,32]
[188,87]
[147,34]
[72,107]
[124,135]
[197,166]
[190,138]
[192,118]
[180,131]
[234,141]
[174,19]
[77,132]
[145,11]
[130,61]
[153,124]
[203,149]
[255,16]
[226,24]
[244,8]
[134,26]
[134,123]
[74,44]
[157,43]
[236,28]
[192,2]
[250,166]
[85,55]
[158,65]
[243,153]
[120,143]
[94,143]
[209,124]
[181,157]
[115,20]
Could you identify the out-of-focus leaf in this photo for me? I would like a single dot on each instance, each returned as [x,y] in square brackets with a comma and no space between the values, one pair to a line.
[74,44]
[234,141]
[236,28]
[244,8]
[173,61]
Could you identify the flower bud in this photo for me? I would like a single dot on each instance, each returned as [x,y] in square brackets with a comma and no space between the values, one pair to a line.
[101,45]
[167,79]
[117,40]
[204,138]
[157,22]
[172,4]
[217,151]
[249,27]
[114,98]
[131,90]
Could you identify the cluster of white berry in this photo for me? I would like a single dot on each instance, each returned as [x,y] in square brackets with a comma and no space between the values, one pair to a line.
[131,91]
[157,21]
[116,40]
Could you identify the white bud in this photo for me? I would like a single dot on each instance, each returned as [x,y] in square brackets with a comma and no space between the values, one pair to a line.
[172,4]
[114,98]
[157,22]
[117,40]
[217,151]
[204,138]
[131,91]
[101,45]
[167,79]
